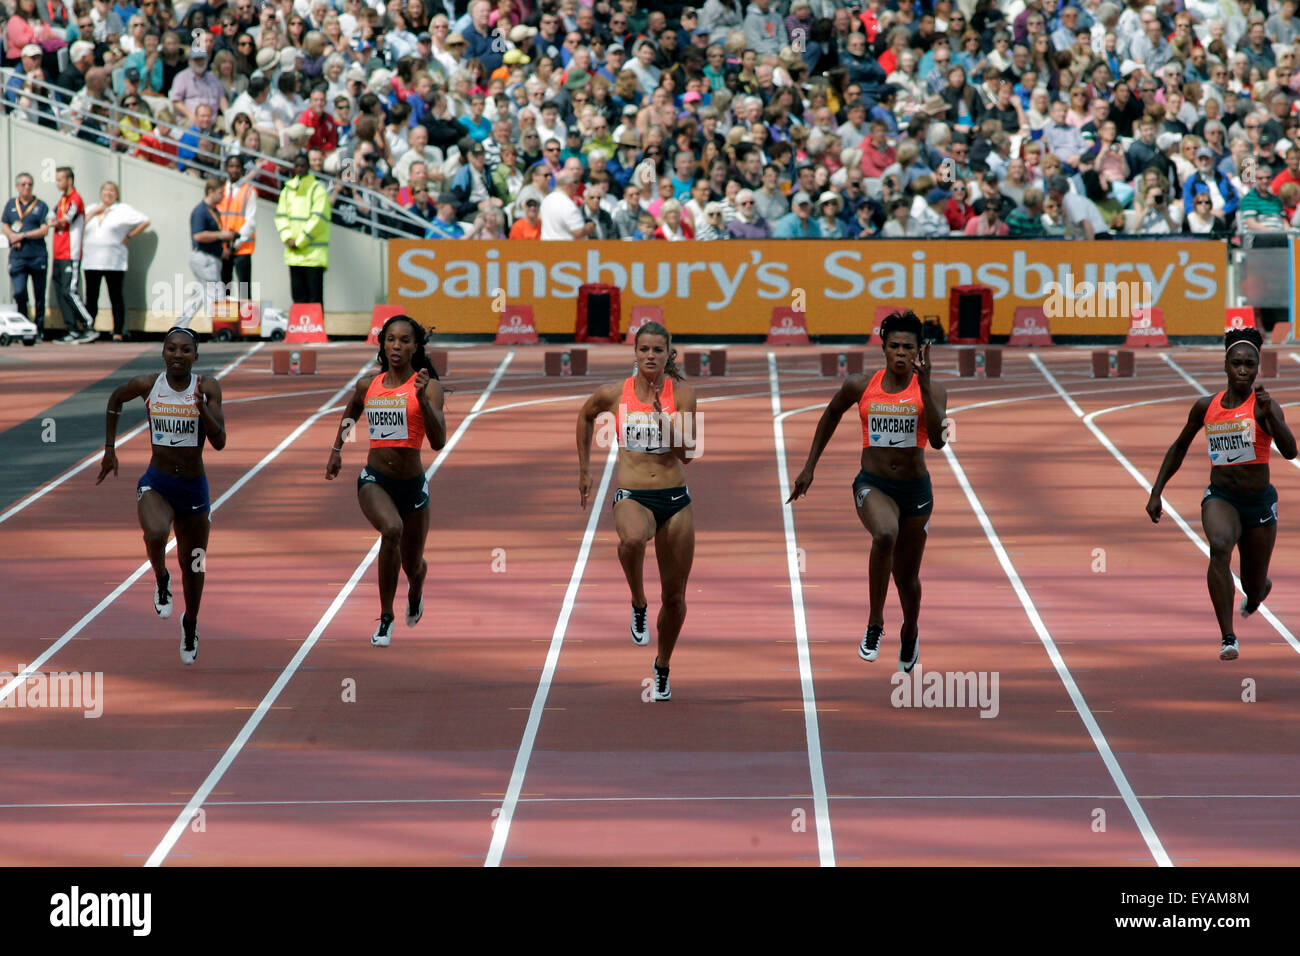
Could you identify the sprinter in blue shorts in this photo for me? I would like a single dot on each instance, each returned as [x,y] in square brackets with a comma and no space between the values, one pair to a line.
[184,410]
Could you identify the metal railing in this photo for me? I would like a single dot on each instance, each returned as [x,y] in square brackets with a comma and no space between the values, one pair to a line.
[373,212]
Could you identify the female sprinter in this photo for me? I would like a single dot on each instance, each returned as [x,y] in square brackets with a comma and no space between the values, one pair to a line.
[901,409]
[403,406]
[1240,506]
[653,408]
[184,409]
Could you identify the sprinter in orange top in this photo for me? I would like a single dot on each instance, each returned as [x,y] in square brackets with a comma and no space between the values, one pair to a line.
[403,406]
[1240,506]
[901,411]
[655,413]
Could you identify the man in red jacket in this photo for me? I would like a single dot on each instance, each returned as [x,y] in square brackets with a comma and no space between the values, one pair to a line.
[68,221]
[324,130]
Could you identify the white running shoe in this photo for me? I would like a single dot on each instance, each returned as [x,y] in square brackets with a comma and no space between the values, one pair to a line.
[162,597]
[189,642]
[640,626]
[870,646]
[384,633]
[663,691]
[1228,650]
[414,619]
[909,652]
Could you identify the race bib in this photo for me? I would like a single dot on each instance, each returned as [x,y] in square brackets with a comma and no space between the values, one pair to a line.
[644,431]
[892,425]
[1231,442]
[386,415]
[174,425]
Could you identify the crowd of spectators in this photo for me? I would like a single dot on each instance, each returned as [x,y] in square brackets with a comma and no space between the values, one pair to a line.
[615,119]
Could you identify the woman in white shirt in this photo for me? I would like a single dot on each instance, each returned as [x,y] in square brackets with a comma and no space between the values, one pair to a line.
[110,225]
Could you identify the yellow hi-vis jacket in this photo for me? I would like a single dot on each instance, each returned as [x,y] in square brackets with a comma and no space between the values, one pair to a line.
[302,218]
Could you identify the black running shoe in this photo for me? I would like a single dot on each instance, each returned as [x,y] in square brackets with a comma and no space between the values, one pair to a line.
[189,640]
[640,627]
[909,652]
[662,689]
[384,633]
[1228,650]
[870,646]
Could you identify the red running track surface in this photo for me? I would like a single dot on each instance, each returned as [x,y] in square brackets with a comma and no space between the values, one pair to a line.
[417,768]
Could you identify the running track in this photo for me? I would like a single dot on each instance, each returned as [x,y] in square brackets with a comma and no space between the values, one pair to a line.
[509,727]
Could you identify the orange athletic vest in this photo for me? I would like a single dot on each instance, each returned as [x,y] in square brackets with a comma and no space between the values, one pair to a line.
[640,427]
[394,415]
[892,419]
[1235,437]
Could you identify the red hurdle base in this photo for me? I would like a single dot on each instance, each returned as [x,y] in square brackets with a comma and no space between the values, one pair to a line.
[710,364]
[553,362]
[282,361]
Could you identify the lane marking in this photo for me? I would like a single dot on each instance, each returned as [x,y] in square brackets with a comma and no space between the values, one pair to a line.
[501,831]
[139,572]
[821,809]
[1058,662]
[98,456]
[182,822]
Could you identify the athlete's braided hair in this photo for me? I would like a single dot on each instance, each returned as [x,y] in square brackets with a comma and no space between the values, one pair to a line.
[419,360]
[902,320]
[670,368]
[1249,335]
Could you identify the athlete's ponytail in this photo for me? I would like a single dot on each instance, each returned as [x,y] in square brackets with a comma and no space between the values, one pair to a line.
[670,368]
[420,359]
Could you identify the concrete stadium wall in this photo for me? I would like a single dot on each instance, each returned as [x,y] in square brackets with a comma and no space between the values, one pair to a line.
[159,264]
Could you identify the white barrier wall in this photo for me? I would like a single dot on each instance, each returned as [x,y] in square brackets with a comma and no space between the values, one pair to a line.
[159,258]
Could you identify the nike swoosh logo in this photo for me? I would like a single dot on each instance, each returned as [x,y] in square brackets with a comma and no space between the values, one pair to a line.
[922,505]
[177,441]
[1266,520]
[1242,455]
[899,442]
[678,498]
[393,435]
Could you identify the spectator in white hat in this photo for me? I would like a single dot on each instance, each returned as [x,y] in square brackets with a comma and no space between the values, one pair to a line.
[829,205]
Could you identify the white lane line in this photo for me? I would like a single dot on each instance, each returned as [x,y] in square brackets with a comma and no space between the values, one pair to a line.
[501,831]
[183,820]
[1062,671]
[821,808]
[139,572]
[1169,509]
[96,457]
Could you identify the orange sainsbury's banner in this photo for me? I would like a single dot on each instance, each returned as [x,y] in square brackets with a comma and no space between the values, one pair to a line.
[731,287]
